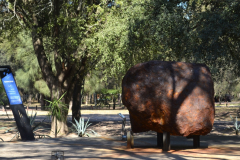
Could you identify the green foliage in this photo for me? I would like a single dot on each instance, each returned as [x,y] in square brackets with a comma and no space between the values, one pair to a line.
[199,32]
[42,87]
[37,126]
[32,118]
[58,111]
[109,91]
[215,33]
[28,73]
[93,83]
[114,39]
[139,32]
[3,96]
[81,127]
[57,108]
[34,128]
[1,87]
[106,95]
[62,38]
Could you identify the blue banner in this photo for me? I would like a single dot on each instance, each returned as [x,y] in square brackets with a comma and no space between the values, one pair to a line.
[11,89]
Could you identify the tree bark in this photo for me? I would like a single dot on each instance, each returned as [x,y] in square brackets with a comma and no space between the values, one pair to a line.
[120,98]
[95,100]
[42,101]
[58,128]
[77,91]
[76,114]
[86,99]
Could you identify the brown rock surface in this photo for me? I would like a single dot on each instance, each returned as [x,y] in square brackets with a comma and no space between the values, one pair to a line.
[173,97]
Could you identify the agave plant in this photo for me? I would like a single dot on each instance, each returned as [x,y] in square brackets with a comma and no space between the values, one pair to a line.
[32,120]
[235,123]
[0,137]
[81,127]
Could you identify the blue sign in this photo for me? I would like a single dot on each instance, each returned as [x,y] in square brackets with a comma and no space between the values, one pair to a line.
[11,89]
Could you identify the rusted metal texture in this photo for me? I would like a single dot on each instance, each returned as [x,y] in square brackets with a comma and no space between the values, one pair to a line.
[172,97]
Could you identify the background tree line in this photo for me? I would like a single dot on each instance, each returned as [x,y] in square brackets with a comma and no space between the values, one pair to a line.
[56,44]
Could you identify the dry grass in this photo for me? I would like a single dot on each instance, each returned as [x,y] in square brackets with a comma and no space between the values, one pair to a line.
[223,113]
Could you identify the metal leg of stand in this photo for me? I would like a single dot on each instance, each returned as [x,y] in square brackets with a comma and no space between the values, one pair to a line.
[160,140]
[196,141]
[166,141]
[130,140]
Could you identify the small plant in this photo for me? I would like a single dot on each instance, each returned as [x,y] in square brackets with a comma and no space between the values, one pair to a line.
[236,126]
[32,120]
[81,127]
[32,117]
[0,137]
[57,109]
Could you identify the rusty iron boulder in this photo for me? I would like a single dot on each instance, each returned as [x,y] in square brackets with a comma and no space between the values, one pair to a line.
[174,97]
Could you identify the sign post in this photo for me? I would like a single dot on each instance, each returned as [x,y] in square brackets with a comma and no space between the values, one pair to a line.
[15,101]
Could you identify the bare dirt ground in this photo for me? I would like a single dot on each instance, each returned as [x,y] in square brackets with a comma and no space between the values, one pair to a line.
[223,124]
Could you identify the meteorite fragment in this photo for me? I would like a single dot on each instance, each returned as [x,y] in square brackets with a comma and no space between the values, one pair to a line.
[172,97]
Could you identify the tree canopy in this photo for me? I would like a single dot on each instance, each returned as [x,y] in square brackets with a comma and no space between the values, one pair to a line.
[191,31]
[61,35]
[71,38]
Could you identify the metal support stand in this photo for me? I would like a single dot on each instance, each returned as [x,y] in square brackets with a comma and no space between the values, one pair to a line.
[160,140]
[196,141]
[166,141]
[23,122]
[124,133]
[130,140]
[14,98]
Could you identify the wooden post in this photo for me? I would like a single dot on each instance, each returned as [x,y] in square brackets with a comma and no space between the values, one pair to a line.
[196,141]
[166,141]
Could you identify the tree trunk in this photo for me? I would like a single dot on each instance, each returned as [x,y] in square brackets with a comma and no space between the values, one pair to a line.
[77,91]
[86,99]
[30,99]
[58,128]
[120,98]
[95,99]
[55,127]
[114,102]
[42,101]
[76,114]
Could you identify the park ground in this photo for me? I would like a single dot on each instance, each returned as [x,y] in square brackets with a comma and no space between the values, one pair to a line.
[220,143]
